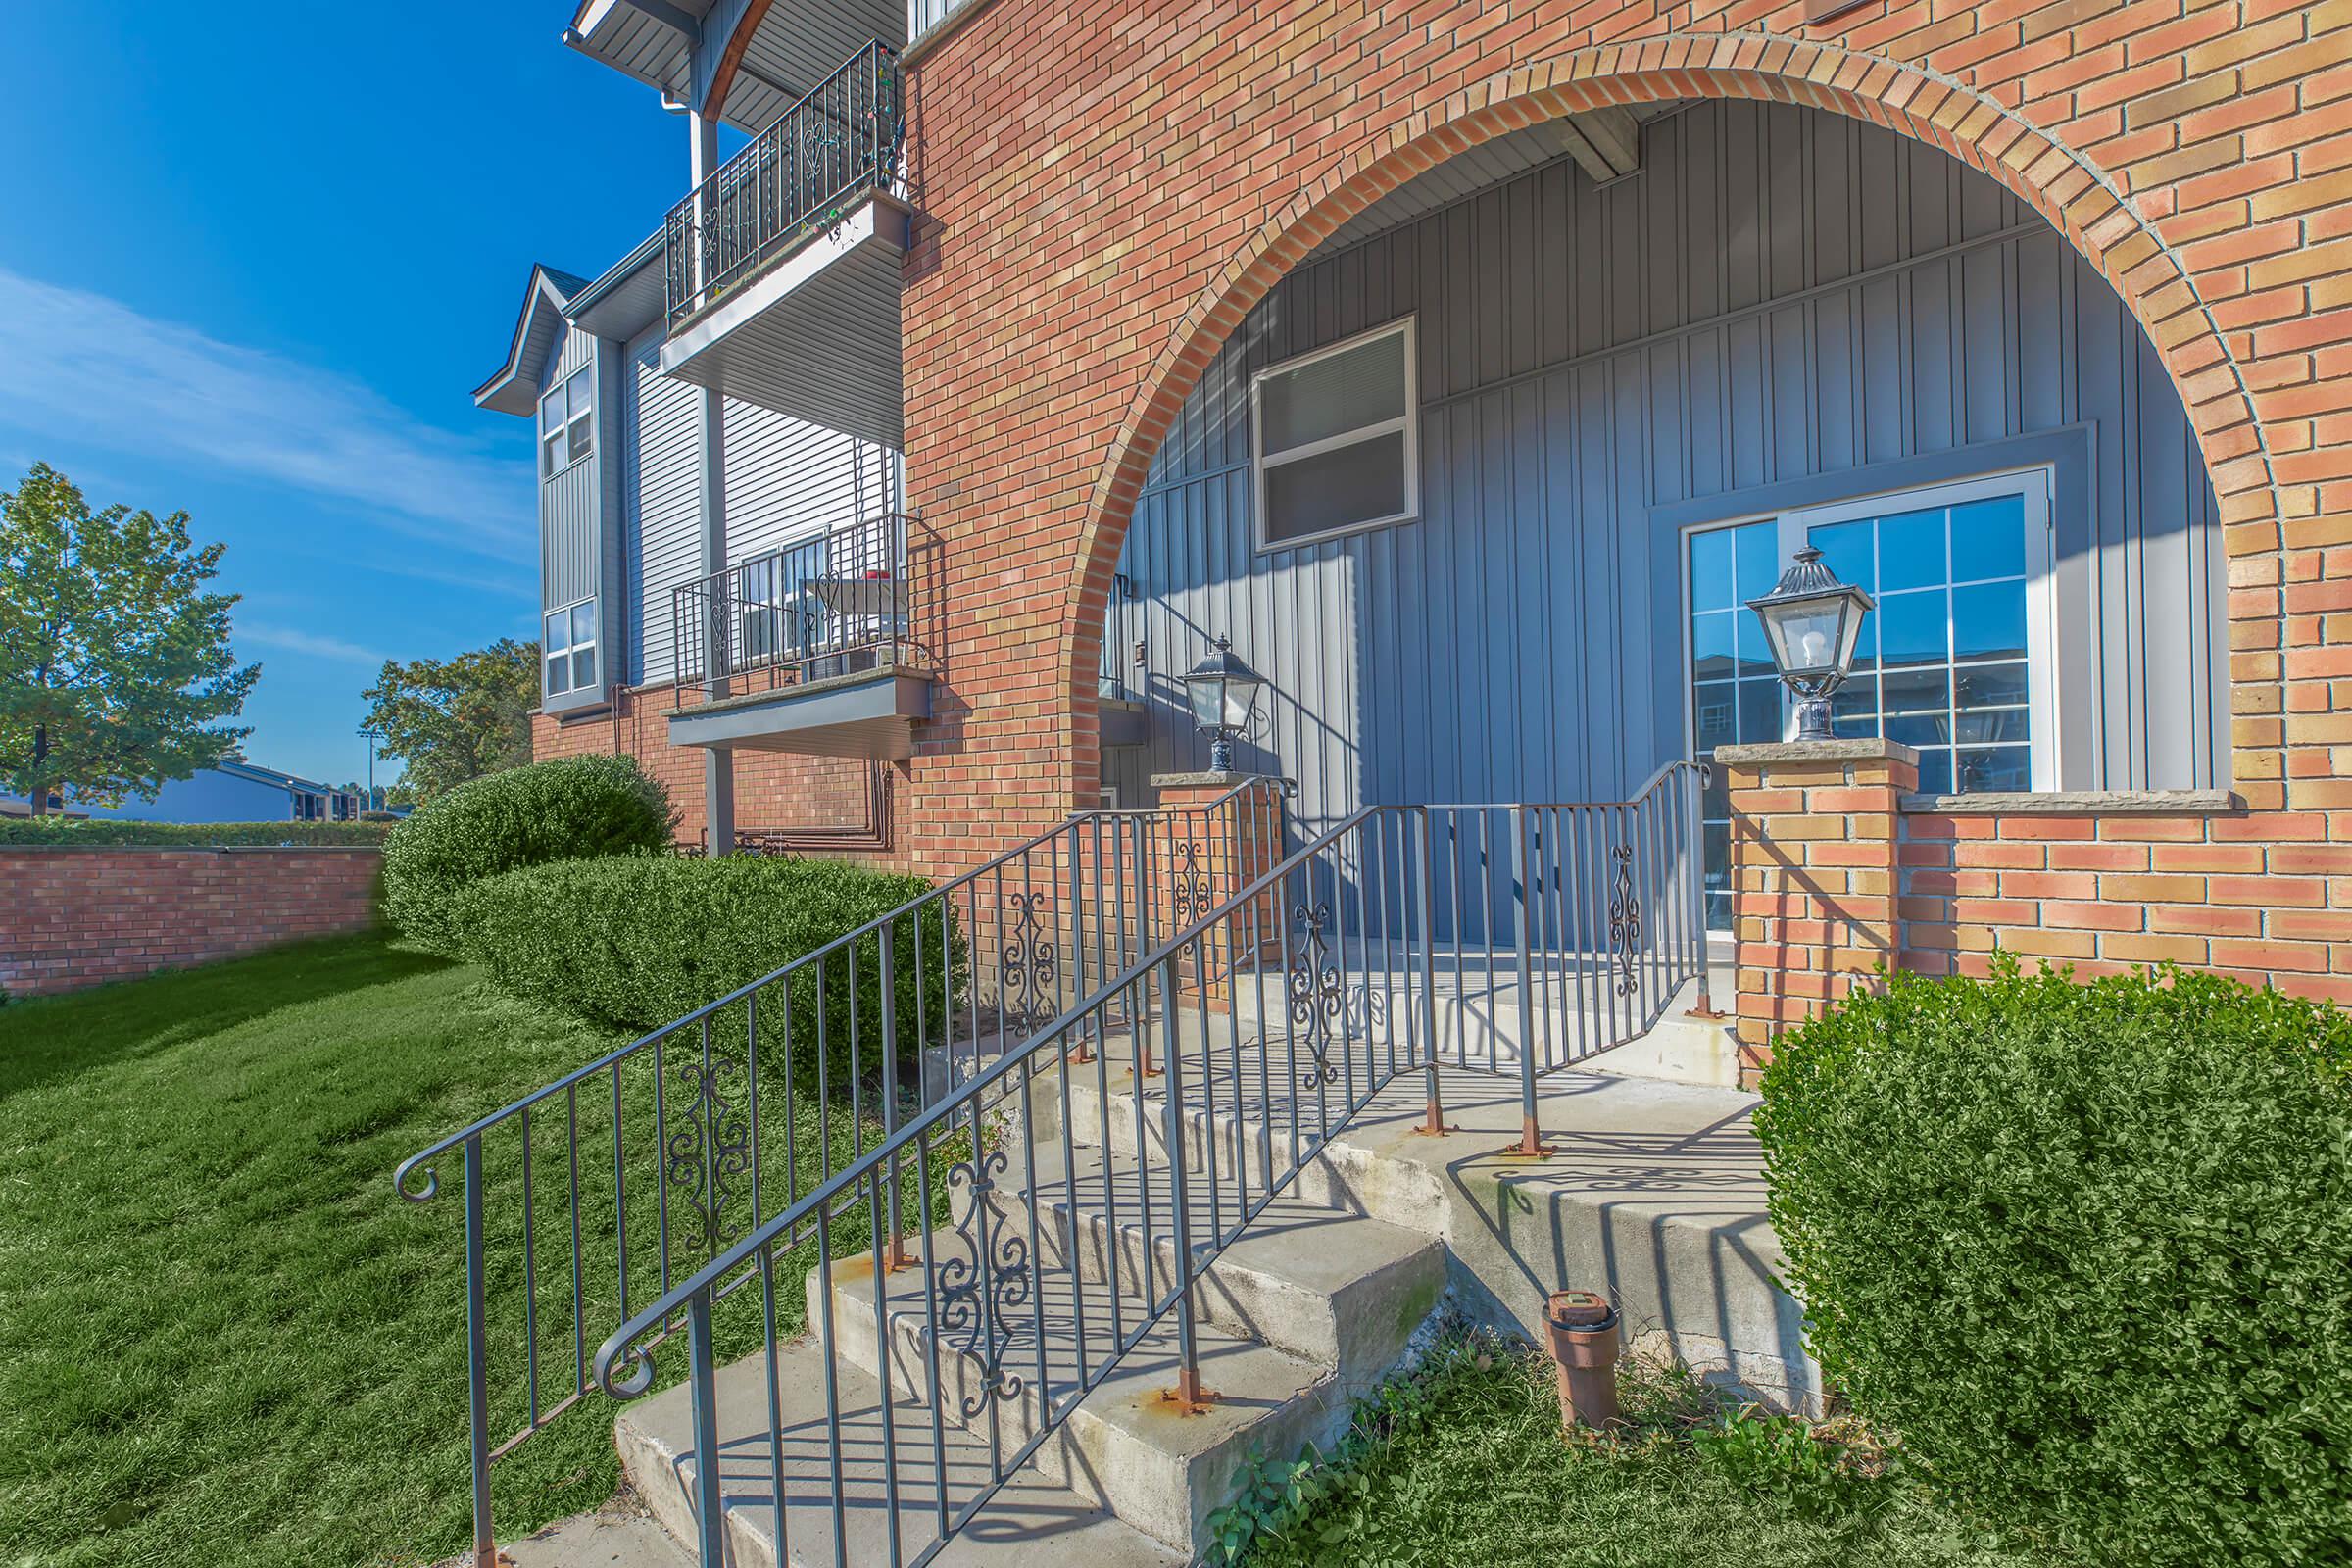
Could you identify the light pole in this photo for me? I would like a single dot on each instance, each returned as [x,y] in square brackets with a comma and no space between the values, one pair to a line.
[373,737]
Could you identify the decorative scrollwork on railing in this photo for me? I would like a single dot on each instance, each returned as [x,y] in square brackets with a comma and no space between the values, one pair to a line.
[979,1293]
[1624,921]
[705,1156]
[1192,894]
[1317,997]
[1029,976]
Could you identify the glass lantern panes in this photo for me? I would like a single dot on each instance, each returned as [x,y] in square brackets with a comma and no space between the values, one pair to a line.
[1735,689]
[1941,664]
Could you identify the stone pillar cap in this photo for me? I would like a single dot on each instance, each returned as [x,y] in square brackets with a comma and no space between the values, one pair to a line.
[1213,781]
[1868,749]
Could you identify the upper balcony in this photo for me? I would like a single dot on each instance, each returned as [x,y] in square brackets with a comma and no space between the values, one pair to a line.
[826,646]
[781,269]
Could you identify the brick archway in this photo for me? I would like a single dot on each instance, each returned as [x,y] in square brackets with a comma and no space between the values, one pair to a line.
[2076,198]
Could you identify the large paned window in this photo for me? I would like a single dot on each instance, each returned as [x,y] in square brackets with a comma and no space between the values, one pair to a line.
[1957,661]
[1336,439]
[569,648]
[566,423]
[1734,695]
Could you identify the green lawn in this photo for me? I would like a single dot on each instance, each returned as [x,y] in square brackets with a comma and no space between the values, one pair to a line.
[226,1341]
[1466,1465]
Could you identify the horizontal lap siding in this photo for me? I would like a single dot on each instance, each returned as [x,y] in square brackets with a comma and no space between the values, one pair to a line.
[1589,354]
[787,479]
[660,502]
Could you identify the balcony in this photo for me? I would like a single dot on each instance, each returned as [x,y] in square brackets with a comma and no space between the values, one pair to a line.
[828,646]
[781,270]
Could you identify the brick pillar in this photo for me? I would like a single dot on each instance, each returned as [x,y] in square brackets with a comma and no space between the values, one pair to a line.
[1814,825]
[1203,853]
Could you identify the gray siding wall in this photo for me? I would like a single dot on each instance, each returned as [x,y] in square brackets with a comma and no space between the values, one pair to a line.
[571,554]
[785,480]
[661,503]
[1785,306]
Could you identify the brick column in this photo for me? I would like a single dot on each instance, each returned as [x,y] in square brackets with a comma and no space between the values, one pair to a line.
[1203,853]
[1814,826]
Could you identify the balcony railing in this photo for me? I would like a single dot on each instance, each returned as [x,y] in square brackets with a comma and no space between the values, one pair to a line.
[860,598]
[794,180]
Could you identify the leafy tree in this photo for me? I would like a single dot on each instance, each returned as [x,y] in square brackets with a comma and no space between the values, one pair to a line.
[115,662]
[456,718]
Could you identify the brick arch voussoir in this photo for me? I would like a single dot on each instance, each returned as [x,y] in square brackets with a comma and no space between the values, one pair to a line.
[2063,186]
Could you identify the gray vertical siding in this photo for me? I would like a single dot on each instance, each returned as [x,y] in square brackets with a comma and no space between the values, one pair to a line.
[785,480]
[570,551]
[1785,306]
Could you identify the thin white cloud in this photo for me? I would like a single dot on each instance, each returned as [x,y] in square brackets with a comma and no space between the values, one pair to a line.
[76,366]
[310,645]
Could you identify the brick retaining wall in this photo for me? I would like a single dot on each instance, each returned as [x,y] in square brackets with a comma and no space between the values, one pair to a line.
[71,918]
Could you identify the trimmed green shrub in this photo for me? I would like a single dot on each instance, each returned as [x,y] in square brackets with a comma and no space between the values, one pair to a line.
[106,832]
[567,808]
[2088,1250]
[639,941]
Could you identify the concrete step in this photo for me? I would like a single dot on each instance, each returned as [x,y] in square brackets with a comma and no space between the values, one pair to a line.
[1339,1289]
[1028,1522]
[1654,1193]
[619,1535]
[1061,1347]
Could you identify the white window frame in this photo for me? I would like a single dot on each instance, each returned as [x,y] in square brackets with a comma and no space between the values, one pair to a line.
[1409,421]
[575,430]
[2034,485]
[593,644]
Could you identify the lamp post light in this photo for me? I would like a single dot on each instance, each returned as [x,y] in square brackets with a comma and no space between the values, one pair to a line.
[1224,695]
[1812,621]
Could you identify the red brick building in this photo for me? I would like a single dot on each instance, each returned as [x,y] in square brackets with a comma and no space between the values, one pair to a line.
[1468,362]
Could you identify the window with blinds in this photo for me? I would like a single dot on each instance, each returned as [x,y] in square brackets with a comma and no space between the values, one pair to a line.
[1336,440]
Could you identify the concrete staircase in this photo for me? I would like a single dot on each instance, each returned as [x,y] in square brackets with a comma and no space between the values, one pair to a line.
[1304,1313]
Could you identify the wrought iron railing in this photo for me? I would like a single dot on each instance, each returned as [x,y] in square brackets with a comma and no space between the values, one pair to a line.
[793,182]
[592,1195]
[1240,1044]
[859,597]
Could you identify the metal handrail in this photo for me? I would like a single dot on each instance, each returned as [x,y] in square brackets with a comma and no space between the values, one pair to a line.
[1339,1042]
[622,1345]
[788,183]
[705,1134]
[862,596]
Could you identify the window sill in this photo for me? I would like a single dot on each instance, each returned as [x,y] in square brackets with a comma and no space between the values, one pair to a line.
[2081,802]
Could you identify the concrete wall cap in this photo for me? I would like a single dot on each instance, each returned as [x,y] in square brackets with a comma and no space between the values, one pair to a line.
[2080,803]
[1209,781]
[1853,751]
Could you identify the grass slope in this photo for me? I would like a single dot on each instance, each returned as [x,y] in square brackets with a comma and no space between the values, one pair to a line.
[228,1340]
[1466,1465]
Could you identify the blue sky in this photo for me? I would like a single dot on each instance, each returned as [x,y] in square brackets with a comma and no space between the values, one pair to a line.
[254,257]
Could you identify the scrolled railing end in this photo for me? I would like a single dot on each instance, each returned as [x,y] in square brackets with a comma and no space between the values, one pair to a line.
[411,1165]
[624,1369]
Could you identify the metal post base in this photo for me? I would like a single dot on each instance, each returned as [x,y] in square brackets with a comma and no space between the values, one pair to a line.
[1433,1125]
[1188,1396]
[1531,1144]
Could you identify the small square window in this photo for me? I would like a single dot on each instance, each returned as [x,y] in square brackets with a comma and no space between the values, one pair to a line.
[1337,439]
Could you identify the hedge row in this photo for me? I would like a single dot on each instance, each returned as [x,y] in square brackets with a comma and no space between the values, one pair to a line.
[101,831]
[561,809]
[640,941]
[2088,1250]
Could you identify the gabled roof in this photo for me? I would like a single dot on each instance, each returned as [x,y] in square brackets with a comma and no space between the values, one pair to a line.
[236,768]
[515,389]
[626,299]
